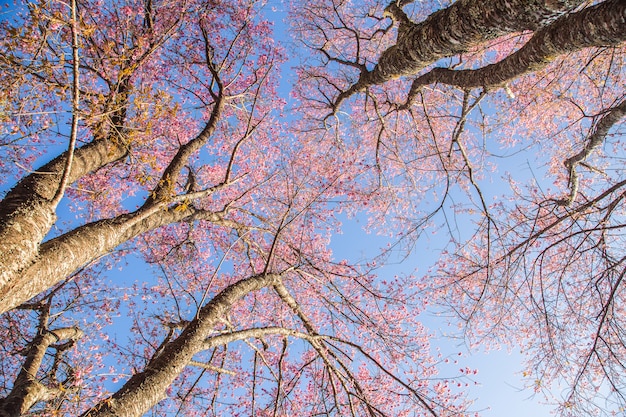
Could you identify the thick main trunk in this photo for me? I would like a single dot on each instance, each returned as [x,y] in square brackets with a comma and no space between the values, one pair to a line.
[28,267]
[27,212]
[60,257]
[145,389]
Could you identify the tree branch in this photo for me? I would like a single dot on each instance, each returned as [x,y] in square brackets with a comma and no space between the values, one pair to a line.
[75,102]
[27,389]
[601,25]
[594,140]
[451,31]
[144,389]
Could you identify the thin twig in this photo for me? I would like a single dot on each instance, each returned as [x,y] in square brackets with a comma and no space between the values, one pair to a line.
[75,101]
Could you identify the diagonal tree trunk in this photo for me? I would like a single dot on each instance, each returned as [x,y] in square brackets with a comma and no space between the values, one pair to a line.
[29,267]
[601,25]
[456,29]
[28,211]
[145,389]
[58,258]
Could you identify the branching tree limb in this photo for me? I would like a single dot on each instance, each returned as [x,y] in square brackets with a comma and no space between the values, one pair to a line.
[28,389]
[601,25]
[451,31]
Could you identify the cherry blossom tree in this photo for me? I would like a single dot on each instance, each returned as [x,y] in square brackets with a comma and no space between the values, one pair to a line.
[440,95]
[151,132]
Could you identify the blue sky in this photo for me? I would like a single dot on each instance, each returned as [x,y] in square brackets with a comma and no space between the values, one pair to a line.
[500,385]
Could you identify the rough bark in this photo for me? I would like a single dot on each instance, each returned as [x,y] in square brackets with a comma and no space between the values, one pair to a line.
[454,30]
[27,390]
[145,389]
[59,257]
[27,212]
[601,25]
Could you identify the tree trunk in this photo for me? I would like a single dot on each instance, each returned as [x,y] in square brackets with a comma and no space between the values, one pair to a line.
[145,389]
[27,390]
[463,25]
[601,25]
[60,257]
[27,212]
[454,30]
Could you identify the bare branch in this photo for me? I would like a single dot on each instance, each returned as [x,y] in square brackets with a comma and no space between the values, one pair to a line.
[594,140]
[75,109]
